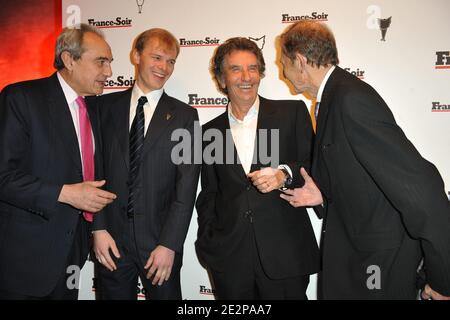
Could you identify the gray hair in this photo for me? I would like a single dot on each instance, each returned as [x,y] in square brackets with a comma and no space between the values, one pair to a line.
[312,39]
[71,40]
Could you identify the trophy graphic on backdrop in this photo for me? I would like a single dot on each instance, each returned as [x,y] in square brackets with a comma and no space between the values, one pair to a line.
[140,3]
[384,25]
[261,41]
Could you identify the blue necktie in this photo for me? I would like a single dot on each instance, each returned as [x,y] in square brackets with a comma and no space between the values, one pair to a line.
[136,145]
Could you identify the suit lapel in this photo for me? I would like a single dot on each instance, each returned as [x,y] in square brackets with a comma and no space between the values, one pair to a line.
[120,113]
[62,121]
[162,117]
[324,110]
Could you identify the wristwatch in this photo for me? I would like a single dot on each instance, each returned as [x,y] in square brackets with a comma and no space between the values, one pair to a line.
[287,180]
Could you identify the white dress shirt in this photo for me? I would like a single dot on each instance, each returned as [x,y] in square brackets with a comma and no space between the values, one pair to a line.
[244,134]
[149,108]
[323,83]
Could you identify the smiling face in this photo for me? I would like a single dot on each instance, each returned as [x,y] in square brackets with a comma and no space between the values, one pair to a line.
[241,77]
[155,64]
[88,74]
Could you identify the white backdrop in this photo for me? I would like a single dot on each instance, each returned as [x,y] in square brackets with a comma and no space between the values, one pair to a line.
[409,69]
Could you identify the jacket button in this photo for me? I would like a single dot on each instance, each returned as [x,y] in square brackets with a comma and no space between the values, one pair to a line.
[249,215]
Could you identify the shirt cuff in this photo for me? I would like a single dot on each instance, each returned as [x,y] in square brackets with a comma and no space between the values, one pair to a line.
[286,167]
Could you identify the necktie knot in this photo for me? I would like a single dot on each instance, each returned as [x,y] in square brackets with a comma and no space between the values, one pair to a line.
[80,102]
[142,100]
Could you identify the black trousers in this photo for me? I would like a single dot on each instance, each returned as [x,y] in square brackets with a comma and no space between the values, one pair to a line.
[122,284]
[65,288]
[244,278]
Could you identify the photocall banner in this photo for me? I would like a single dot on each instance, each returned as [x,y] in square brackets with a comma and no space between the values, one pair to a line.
[401,48]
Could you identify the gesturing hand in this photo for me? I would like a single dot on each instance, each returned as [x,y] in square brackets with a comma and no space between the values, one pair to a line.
[86,196]
[307,196]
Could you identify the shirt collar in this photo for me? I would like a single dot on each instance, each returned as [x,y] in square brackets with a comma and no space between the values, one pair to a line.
[324,82]
[252,112]
[69,93]
[152,96]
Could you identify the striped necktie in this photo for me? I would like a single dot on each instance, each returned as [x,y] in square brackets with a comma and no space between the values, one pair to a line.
[136,145]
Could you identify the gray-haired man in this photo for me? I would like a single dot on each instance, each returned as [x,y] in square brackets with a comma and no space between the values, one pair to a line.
[49,166]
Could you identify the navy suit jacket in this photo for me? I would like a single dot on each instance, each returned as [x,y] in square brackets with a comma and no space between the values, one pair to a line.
[39,154]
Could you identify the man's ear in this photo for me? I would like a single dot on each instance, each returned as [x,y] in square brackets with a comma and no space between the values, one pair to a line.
[222,83]
[68,60]
[300,60]
[136,56]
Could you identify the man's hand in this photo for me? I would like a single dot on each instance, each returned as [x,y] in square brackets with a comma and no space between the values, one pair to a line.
[161,262]
[429,293]
[267,179]
[307,196]
[103,242]
[86,196]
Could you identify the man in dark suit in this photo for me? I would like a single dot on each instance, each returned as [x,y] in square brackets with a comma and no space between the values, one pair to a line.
[48,138]
[254,244]
[146,227]
[383,204]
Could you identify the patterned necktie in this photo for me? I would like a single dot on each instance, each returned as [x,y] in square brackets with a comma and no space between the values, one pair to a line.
[136,145]
[87,147]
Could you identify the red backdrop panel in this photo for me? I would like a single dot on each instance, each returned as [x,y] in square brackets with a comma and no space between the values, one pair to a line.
[28,31]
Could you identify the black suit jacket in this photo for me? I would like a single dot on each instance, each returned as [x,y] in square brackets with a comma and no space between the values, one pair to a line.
[384,203]
[39,154]
[284,236]
[165,200]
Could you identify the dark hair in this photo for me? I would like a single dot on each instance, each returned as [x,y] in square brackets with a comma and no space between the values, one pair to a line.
[71,40]
[312,39]
[226,48]
[161,34]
